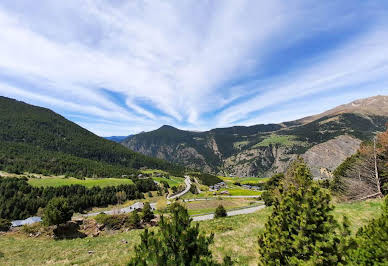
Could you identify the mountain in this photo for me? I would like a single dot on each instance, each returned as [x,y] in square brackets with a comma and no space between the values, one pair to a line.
[36,139]
[376,105]
[324,141]
[117,139]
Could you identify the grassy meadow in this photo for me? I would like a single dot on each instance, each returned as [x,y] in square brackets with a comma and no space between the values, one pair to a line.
[244,180]
[234,236]
[172,181]
[209,206]
[88,182]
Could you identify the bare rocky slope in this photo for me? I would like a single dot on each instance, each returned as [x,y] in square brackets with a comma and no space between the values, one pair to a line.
[323,140]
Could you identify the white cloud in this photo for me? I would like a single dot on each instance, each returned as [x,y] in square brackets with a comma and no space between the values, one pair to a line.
[187,59]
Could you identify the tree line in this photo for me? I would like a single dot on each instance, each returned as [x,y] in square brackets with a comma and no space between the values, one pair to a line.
[19,200]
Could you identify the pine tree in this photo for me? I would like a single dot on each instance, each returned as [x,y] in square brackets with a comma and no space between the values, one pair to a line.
[301,227]
[57,211]
[148,215]
[134,220]
[175,243]
[220,212]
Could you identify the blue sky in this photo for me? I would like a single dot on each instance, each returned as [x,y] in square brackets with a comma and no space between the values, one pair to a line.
[121,67]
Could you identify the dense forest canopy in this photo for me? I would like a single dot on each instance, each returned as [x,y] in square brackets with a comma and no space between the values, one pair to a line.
[19,200]
[36,139]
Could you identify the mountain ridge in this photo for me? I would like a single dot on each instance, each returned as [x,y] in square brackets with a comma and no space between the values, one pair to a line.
[267,149]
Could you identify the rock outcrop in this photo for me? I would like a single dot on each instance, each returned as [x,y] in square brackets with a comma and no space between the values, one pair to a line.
[324,158]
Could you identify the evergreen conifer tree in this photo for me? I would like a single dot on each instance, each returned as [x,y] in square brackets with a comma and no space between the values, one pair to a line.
[301,228]
[175,243]
[148,215]
[220,212]
[57,211]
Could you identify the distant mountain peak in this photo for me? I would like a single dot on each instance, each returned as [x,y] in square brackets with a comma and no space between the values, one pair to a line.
[167,128]
[375,105]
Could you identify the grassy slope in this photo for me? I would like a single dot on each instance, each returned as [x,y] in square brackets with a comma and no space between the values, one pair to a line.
[235,236]
[173,181]
[89,182]
[209,206]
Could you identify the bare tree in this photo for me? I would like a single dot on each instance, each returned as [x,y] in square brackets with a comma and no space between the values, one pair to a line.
[362,179]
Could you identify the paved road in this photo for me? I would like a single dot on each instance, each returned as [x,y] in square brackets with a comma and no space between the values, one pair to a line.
[117,211]
[230,213]
[239,196]
[188,186]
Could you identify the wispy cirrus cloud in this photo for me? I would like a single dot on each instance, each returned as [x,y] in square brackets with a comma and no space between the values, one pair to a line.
[193,64]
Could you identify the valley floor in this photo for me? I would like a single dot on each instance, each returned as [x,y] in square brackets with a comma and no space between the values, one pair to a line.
[235,236]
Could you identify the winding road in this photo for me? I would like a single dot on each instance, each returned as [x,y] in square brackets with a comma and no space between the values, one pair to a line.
[188,186]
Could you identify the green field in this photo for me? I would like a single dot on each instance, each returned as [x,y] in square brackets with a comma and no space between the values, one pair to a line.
[234,236]
[284,140]
[237,191]
[88,182]
[172,181]
[209,206]
[244,180]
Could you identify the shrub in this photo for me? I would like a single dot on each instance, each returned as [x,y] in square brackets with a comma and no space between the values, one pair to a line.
[176,243]
[57,211]
[220,212]
[5,225]
[372,241]
[114,222]
[148,215]
[133,220]
[119,221]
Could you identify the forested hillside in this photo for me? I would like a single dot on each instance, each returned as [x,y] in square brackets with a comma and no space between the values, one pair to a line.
[36,139]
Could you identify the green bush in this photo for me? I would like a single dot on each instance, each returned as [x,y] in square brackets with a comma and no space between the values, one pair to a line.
[372,241]
[114,222]
[176,243]
[119,221]
[133,220]
[5,225]
[148,214]
[57,211]
[220,212]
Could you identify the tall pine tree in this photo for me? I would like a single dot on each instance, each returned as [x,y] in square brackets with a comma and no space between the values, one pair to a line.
[301,228]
